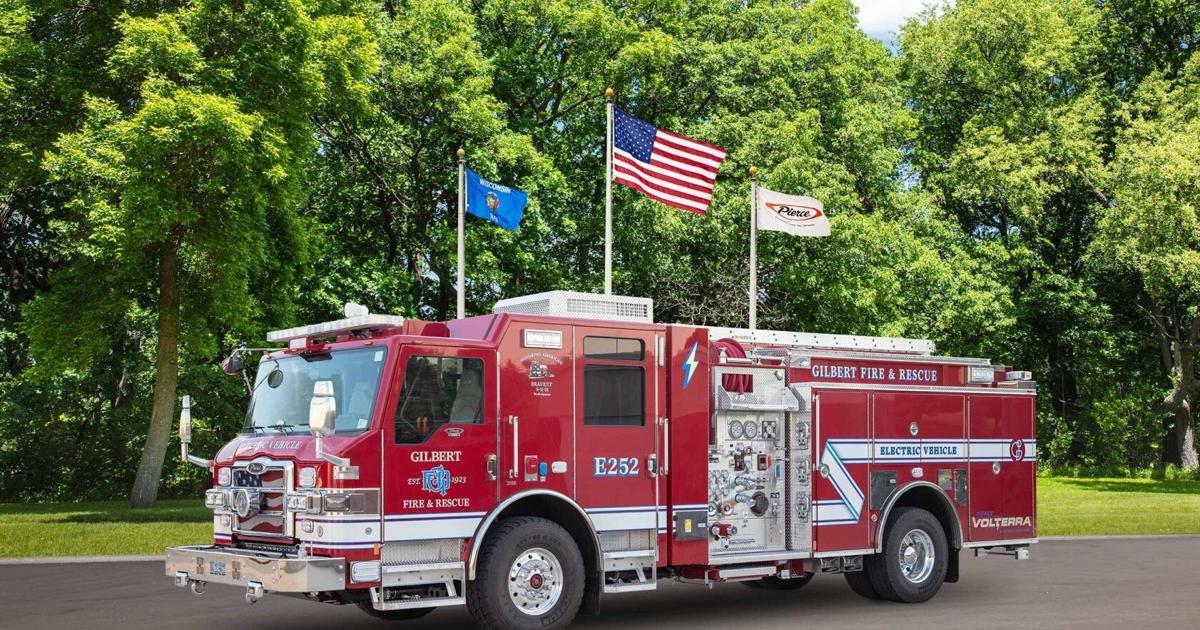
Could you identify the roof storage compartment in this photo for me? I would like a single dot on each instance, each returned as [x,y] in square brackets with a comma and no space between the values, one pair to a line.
[576,304]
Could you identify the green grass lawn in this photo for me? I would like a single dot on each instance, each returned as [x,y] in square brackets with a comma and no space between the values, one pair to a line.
[1066,507]
[1091,507]
[100,528]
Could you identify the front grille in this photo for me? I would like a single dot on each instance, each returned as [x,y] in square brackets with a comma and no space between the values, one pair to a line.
[270,518]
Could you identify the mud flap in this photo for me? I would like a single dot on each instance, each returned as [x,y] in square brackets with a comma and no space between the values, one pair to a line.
[591,594]
[952,566]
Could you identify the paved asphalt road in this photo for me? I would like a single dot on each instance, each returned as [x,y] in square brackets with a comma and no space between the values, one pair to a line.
[1101,583]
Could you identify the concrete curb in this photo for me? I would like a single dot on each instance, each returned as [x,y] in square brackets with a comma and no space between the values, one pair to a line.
[160,558]
[1115,537]
[79,559]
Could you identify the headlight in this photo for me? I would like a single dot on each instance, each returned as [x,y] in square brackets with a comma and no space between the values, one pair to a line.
[306,503]
[216,499]
[344,502]
[308,477]
[337,502]
[224,476]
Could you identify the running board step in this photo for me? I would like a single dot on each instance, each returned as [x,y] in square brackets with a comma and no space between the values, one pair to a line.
[413,598]
[637,578]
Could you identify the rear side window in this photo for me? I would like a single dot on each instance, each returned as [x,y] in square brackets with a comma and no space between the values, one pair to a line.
[438,391]
[614,395]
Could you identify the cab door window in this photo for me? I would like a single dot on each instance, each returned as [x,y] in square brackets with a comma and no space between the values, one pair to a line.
[438,391]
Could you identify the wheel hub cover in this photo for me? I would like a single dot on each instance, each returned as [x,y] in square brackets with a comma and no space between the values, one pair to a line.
[535,581]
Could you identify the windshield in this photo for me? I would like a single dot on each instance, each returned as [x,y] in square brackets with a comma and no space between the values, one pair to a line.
[283,389]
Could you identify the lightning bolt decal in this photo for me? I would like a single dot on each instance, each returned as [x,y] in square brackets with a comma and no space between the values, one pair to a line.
[690,364]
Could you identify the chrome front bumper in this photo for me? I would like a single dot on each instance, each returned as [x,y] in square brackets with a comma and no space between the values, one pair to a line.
[254,570]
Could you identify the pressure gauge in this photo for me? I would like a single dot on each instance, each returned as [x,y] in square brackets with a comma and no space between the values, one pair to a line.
[770,429]
[751,429]
[735,429]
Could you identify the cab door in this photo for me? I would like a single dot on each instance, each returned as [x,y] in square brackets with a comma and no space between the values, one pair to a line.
[440,443]
[617,411]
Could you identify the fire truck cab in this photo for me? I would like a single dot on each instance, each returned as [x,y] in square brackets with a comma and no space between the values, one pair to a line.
[564,447]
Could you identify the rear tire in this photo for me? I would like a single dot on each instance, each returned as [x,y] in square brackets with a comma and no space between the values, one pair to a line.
[777,583]
[915,556]
[530,577]
[394,615]
[860,583]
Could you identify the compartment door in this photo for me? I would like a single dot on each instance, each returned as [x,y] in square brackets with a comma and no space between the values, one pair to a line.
[841,422]
[617,411]
[1002,472]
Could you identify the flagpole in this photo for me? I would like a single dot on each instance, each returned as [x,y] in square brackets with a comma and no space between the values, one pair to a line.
[608,169]
[753,295]
[462,207]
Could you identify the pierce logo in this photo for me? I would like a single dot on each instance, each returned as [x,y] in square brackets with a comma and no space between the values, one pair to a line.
[795,213]
[436,480]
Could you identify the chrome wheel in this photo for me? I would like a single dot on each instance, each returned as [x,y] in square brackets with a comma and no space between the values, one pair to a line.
[535,581]
[916,556]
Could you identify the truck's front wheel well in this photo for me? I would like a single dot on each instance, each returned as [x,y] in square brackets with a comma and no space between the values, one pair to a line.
[572,519]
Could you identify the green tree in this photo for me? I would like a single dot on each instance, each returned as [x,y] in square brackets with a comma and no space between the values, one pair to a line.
[387,199]
[1152,230]
[185,201]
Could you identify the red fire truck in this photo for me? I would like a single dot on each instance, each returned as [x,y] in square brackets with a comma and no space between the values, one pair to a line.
[526,462]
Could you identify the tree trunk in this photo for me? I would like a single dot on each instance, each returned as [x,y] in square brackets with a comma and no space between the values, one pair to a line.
[166,377]
[1179,400]
[1185,436]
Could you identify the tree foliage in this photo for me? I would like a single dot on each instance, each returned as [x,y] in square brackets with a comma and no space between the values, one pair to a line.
[1015,180]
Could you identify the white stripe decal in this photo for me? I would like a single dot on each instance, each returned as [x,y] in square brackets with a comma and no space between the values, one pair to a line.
[838,453]
[430,528]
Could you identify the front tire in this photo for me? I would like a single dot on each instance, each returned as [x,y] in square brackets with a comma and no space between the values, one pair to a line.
[915,556]
[530,577]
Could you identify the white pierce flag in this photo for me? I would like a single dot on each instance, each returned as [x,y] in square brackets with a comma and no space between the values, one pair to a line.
[801,216]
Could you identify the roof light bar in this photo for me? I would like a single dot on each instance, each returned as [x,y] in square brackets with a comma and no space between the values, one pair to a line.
[336,327]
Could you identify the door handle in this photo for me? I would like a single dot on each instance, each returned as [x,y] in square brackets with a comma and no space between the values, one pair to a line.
[516,455]
[492,470]
[666,450]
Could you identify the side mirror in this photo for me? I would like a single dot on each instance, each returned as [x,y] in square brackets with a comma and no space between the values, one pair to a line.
[185,435]
[185,421]
[322,409]
[322,412]
[233,364]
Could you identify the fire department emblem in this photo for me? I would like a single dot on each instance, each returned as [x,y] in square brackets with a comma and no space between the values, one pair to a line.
[539,370]
[436,480]
[1016,450]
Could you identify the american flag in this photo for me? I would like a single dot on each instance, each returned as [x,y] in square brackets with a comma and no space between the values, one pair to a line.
[667,167]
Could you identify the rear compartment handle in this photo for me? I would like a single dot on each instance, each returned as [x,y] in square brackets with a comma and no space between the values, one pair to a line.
[516,455]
